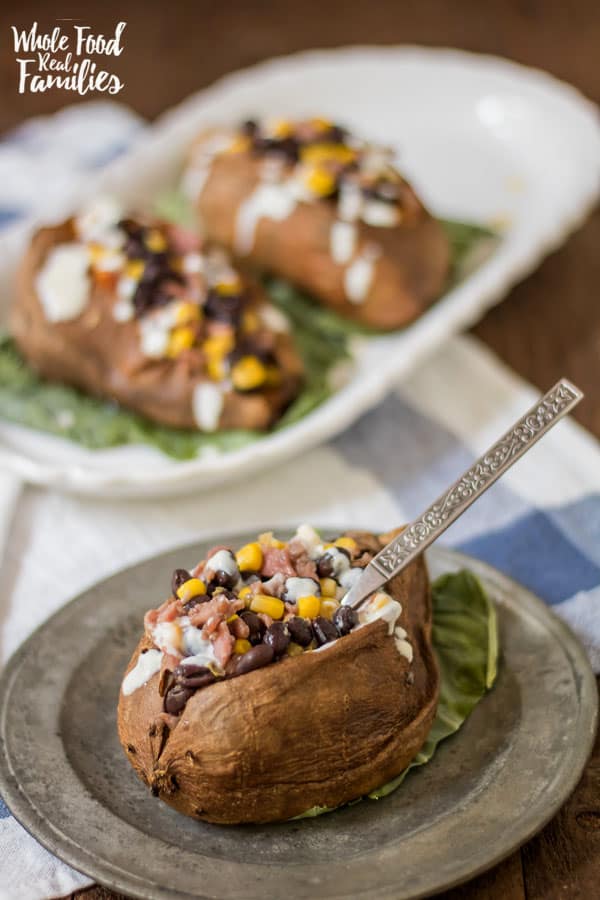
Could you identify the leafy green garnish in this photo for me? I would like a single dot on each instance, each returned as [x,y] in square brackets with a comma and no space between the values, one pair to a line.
[322,337]
[465,640]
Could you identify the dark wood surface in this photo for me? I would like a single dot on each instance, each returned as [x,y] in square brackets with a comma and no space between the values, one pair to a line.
[547,327]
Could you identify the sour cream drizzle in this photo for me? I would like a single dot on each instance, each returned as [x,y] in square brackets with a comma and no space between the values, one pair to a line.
[147,665]
[63,283]
[359,275]
[207,404]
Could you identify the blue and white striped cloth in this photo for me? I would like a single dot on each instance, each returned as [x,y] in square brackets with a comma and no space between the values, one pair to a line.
[540,524]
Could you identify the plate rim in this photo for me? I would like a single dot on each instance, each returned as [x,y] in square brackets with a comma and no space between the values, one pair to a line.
[486,287]
[109,875]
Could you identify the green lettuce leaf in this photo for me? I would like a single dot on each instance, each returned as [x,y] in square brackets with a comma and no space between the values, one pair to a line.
[465,640]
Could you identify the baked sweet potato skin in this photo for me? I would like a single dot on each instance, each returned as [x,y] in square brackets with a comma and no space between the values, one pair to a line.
[103,357]
[319,729]
[409,274]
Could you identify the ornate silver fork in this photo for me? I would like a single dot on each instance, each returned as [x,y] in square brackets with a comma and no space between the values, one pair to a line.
[425,529]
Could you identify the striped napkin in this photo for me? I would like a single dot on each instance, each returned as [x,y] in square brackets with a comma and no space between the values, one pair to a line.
[540,524]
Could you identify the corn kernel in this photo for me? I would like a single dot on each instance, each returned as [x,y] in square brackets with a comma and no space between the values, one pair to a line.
[241,646]
[271,606]
[219,344]
[294,649]
[328,607]
[328,587]
[239,144]
[320,181]
[229,288]
[245,592]
[280,128]
[187,312]
[266,539]
[191,588]
[248,373]
[321,124]
[134,269]
[181,338]
[347,543]
[215,369]
[324,152]
[96,252]
[155,241]
[309,607]
[250,558]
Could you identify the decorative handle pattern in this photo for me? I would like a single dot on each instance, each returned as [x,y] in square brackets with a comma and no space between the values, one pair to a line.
[485,471]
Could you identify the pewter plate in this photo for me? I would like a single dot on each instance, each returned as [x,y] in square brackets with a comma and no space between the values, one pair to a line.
[487,790]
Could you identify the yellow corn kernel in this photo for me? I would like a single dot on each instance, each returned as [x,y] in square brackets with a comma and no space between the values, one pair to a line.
[328,587]
[191,588]
[250,321]
[239,144]
[187,312]
[134,269]
[250,558]
[347,543]
[219,344]
[324,152]
[321,124]
[309,607]
[248,373]
[379,601]
[294,649]
[215,369]
[328,607]
[245,592]
[280,128]
[181,338]
[271,606]
[319,181]
[155,241]
[241,646]
[229,288]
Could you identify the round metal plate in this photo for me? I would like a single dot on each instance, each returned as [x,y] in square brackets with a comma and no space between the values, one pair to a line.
[487,790]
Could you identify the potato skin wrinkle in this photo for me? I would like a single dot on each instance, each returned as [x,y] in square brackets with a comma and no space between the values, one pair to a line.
[252,749]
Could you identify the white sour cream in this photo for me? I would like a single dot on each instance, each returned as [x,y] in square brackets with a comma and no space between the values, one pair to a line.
[274,319]
[207,404]
[147,665]
[222,561]
[359,275]
[342,242]
[98,222]
[196,174]
[380,606]
[301,587]
[380,214]
[63,283]
[199,651]
[267,201]
[311,539]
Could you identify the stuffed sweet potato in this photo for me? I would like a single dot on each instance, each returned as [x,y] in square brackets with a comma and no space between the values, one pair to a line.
[254,694]
[309,201]
[139,312]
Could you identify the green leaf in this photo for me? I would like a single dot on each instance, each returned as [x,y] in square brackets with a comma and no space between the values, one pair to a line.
[465,640]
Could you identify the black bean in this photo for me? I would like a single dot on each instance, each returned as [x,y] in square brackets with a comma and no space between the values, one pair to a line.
[249,127]
[194,601]
[223,307]
[180,576]
[324,630]
[193,676]
[325,566]
[256,658]
[278,637]
[345,619]
[300,631]
[221,579]
[176,699]
[256,625]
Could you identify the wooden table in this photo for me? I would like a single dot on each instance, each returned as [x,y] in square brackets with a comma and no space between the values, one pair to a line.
[547,327]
